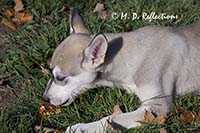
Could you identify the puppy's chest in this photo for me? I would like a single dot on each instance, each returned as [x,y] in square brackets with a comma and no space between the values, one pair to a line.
[120,79]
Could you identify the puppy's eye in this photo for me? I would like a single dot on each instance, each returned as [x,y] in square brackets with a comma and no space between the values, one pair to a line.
[61,78]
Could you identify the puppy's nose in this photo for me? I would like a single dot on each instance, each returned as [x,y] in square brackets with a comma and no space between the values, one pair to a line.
[46,99]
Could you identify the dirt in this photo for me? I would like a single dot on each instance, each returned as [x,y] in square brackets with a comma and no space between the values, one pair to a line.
[7,94]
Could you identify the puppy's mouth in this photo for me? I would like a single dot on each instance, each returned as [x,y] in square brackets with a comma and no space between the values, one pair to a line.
[67,102]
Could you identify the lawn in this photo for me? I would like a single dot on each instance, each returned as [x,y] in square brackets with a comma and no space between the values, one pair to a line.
[29,49]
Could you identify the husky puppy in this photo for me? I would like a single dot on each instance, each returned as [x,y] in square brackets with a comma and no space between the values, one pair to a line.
[156,63]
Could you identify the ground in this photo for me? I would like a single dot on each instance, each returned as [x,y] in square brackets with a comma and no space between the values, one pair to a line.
[24,56]
[7,95]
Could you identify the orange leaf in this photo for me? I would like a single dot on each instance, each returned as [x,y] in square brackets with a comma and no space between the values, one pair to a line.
[187,117]
[8,24]
[27,18]
[8,12]
[98,8]
[48,109]
[18,5]
[150,118]
[21,18]
[159,120]
[17,21]
[19,14]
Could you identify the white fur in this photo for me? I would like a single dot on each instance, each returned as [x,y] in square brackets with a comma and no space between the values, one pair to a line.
[154,62]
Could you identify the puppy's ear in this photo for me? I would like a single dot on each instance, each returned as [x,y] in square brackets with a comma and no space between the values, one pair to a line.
[94,54]
[76,23]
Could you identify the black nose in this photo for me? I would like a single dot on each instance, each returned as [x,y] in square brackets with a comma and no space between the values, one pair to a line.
[46,99]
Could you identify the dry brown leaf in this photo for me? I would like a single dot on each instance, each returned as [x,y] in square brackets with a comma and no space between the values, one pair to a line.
[27,18]
[116,110]
[46,130]
[18,5]
[150,118]
[17,17]
[21,18]
[8,12]
[187,117]
[9,24]
[190,117]
[159,120]
[98,8]
[104,15]
[19,14]
[162,130]
[197,118]
[48,109]
[17,21]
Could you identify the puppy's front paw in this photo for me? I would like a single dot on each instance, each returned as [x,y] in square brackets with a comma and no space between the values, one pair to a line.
[93,127]
[78,128]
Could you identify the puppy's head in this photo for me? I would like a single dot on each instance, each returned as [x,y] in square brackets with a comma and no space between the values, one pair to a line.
[75,63]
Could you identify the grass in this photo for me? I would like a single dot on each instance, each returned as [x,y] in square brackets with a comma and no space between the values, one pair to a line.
[30,47]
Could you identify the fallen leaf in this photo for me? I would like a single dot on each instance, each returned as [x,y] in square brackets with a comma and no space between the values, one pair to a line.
[161,119]
[9,24]
[47,109]
[17,17]
[38,129]
[19,14]
[21,18]
[8,12]
[27,18]
[18,5]
[116,110]
[187,117]
[162,130]
[150,118]
[197,118]
[104,15]
[98,8]
[190,117]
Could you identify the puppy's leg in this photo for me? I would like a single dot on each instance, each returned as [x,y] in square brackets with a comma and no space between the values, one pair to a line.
[154,100]
[133,119]
[158,105]
[122,122]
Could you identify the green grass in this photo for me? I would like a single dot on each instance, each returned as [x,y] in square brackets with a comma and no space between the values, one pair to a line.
[30,47]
